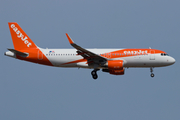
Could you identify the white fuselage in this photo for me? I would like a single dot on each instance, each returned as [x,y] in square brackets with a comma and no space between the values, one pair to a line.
[64,57]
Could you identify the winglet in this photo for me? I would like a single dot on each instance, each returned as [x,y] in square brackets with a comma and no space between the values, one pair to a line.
[69,38]
[83,52]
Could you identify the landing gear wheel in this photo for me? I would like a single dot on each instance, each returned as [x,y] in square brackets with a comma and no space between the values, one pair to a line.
[152,75]
[94,74]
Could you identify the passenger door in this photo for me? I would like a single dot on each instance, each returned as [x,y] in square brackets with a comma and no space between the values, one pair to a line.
[152,55]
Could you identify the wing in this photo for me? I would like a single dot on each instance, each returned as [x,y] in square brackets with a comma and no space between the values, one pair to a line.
[90,56]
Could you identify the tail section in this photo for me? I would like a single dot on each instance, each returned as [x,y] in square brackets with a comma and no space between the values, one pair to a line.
[20,38]
[24,47]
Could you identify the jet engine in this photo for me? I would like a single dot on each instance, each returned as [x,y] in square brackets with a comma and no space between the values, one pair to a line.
[115,64]
[117,72]
[115,67]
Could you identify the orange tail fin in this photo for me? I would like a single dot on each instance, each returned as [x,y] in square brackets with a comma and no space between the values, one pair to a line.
[20,38]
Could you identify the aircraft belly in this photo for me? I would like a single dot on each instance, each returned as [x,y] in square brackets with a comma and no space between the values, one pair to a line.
[63,61]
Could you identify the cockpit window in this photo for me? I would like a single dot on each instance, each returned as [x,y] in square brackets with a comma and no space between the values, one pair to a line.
[164,54]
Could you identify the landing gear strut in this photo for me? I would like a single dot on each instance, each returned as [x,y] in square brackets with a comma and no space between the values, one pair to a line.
[94,73]
[152,74]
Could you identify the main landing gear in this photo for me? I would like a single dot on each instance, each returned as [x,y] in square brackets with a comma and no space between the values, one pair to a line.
[152,74]
[94,73]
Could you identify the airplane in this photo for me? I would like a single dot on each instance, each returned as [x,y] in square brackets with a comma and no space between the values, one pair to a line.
[112,61]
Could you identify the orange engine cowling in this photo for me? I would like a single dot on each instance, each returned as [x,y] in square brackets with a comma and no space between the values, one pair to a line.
[115,65]
[117,72]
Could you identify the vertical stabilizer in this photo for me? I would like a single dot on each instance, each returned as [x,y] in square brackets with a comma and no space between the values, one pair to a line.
[20,38]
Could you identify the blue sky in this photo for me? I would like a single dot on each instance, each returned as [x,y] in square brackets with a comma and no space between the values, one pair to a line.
[31,91]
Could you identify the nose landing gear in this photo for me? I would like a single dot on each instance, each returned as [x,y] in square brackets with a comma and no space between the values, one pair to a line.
[152,74]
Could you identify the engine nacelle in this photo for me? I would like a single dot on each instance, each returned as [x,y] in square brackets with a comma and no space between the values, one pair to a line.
[115,67]
[114,72]
[115,64]
[117,72]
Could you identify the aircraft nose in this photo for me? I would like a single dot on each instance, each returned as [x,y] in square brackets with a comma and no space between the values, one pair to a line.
[172,60]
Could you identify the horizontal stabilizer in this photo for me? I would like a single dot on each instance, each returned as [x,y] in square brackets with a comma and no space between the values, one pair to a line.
[18,53]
